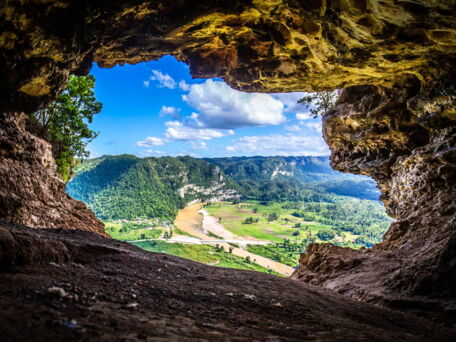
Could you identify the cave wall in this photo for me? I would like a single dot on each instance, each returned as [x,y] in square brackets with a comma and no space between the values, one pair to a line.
[404,138]
[394,121]
[267,45]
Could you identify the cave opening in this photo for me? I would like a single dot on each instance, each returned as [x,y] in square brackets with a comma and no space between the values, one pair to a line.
[394,122]
[244,178]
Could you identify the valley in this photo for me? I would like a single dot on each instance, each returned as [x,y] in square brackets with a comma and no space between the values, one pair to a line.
[257,213]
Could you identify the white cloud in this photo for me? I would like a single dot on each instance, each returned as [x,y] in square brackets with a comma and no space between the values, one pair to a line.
[290,101]
[184,85]
[150,141]
[146,84]
[198,145]
[220,106]
[194,155]
[164,80]
[303,116]
[149,152]
[315,125]
[178,131]
[292,128]
[170,110]
[279,144]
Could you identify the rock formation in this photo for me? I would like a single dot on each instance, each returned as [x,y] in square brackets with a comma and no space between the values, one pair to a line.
[404,138]
[31,193]
[395,120]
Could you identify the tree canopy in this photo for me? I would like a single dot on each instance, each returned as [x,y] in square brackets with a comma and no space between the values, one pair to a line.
[64,123]
[320,103]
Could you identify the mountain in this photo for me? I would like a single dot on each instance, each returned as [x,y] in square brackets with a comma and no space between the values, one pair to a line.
[293,178]
[127,187]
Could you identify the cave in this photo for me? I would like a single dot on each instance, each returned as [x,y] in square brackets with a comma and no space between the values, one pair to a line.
[395,122]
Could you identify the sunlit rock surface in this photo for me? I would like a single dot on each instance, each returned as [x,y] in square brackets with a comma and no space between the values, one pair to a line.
[259,45]
[406,140]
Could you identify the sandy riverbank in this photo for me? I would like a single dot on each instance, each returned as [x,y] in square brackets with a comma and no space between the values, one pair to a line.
[196,221]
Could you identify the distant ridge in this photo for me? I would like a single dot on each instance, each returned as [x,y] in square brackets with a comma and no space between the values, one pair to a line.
[128,187]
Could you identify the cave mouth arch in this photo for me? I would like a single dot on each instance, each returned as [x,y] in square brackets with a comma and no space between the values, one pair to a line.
[381,127]
[152,110]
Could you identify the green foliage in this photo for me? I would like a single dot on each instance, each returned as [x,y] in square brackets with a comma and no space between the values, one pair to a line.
[326,235]
[273,217]
[320,103]
[127,187]
[64,123]
[299,179]
[354,222]
[278,252]
[250,220]
[202,253]
[132,231]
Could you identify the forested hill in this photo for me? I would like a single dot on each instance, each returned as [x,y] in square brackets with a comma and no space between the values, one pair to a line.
[293,178]
[127,187]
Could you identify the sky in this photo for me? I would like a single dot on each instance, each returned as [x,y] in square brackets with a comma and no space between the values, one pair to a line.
[157,109]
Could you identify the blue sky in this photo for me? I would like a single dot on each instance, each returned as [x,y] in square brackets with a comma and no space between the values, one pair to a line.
[157,109]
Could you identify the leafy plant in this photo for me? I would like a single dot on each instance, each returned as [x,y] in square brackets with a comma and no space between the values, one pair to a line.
[64,123]
[320,103]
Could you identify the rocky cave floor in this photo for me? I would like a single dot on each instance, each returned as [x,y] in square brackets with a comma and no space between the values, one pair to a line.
[66,285]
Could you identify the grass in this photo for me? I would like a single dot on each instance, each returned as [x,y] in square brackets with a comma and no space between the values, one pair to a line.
[202,253]
[130,232]
[181,232]
[233,215]
[275,253]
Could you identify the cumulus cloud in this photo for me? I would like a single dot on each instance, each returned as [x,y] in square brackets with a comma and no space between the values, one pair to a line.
[279,144]
[149,153]
[178,131]
[198,145]
[303,116]
[220,106]
[146,84]
[184,85]
[314,125]
[150,141]
[292,128]
[290,101]
[170,110]
[164,80]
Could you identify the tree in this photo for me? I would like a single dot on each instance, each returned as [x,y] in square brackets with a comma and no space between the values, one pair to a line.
[272,217]
[250,220]
[320,103]
[64,123]
[326,235]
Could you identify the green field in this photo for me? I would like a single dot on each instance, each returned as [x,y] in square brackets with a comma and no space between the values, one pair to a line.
[291,226]
[132,231]
[234,215]
[345,222]
[277,252]
[202,253]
